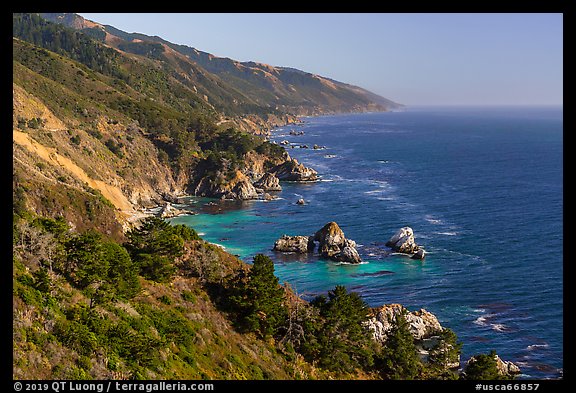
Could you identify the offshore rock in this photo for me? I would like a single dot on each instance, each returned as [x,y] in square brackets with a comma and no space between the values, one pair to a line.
[301,201]
[300,244]
[403,241]
[268,182]
[292,170]
[331,240]
[333,244]
[348,254]
[420,254]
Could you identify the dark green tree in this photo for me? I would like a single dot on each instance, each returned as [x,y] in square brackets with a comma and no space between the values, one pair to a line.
[154,246]
[122,272]
[483,367]
[444,356]
[343,344]
[85,263]
[258,300]
[399,359]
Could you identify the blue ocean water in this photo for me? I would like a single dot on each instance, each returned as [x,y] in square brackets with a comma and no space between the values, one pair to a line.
[482,189]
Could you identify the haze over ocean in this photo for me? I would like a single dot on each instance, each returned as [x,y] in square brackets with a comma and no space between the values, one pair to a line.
[480,186]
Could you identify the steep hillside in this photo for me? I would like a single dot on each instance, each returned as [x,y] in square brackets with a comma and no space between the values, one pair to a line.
[251,87]
[89,118]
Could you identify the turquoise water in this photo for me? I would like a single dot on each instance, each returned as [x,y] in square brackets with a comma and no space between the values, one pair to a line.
[482,189]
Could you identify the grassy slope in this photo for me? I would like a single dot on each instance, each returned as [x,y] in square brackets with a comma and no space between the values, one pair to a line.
[171,331]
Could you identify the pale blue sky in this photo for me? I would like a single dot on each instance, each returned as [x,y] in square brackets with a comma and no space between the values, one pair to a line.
[414,59]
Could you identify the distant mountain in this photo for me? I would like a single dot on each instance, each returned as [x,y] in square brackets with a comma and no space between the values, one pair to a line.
[237,87]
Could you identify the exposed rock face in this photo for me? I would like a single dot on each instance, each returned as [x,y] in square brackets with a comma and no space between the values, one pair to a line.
[169,211]
[422,323]
[507,367]
[403,241]
[332,244]
[348,254]
[268,182]
[292,170]
[300,244]
[243,190]
[331,240]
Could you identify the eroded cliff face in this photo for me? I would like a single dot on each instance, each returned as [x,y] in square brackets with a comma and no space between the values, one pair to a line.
[99,174]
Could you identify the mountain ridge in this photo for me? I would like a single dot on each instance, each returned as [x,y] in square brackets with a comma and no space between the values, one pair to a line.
[275,88]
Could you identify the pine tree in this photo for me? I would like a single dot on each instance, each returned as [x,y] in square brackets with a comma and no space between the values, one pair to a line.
[343,343]
[258,301]
[399,359]
[483,367]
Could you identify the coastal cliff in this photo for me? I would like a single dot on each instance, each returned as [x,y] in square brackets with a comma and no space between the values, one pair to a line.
[107,125]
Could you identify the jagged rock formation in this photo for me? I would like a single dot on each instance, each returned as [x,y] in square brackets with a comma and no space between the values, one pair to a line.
[422,323]
[169,211]
[292,170]
[332,244]
[403,241]
[268,182]
[300,244]
[331,240]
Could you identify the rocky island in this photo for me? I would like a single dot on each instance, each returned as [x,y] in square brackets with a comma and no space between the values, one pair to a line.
[403,242]
[332,244]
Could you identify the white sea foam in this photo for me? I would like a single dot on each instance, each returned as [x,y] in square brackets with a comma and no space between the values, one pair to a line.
[499,327]
[219,245]
[432,220]
[536,346]
[447,233]
[201,234]
[481,320]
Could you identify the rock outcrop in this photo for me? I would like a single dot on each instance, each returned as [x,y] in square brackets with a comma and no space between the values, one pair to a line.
[292,170]
[348,254]
[505,368]
[168,211]
[299,244]
[268,182]
[422,324]
[333,244]
[331,240]
[403,241]
[243,190]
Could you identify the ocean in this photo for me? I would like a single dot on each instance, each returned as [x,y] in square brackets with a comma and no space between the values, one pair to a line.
[482,189]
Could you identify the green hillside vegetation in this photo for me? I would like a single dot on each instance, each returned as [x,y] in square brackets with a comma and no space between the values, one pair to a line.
[112,106]
[166,304]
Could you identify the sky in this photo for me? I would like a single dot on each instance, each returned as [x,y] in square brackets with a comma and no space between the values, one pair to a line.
[413,59]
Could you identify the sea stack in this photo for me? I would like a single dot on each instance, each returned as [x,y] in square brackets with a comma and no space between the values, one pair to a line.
[333,244]
[403,242]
